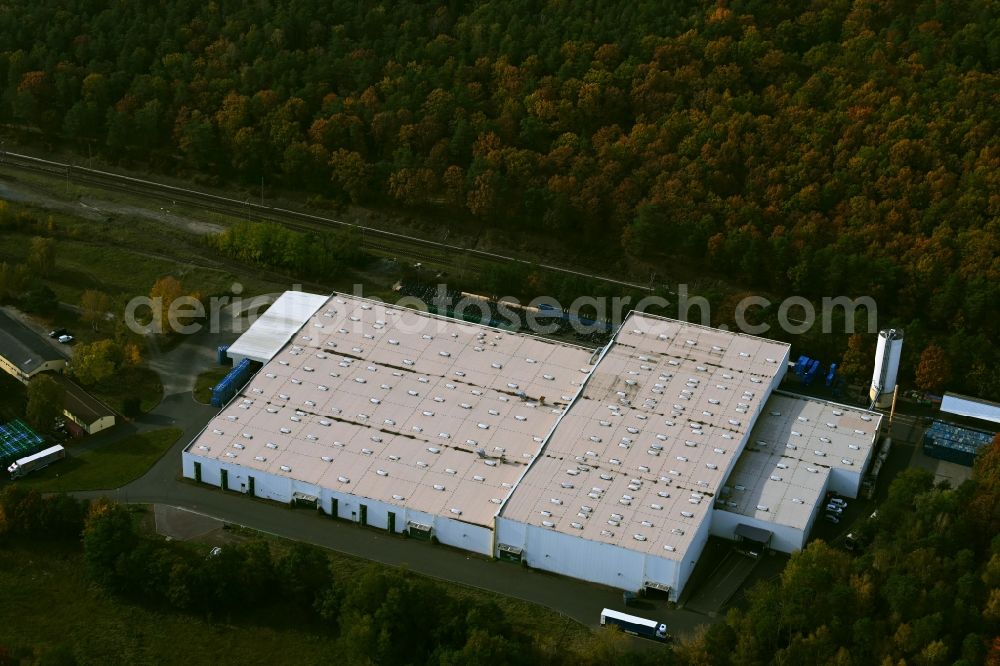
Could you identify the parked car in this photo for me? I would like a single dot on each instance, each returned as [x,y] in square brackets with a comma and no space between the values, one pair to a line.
[65,339]
[838,502]
[831,518]
[833,508]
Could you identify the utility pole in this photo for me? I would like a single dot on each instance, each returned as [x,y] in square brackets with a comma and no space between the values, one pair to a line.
[892,410]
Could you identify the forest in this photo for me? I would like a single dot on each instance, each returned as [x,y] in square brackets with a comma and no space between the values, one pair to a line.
[814,147]
[923,588]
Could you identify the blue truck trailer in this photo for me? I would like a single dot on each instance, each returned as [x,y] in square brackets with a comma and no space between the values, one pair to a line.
[233,382]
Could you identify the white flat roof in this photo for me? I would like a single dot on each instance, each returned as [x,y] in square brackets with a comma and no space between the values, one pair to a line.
[792,448]
[269,333]
[392,404]
[974,408]
[637,458]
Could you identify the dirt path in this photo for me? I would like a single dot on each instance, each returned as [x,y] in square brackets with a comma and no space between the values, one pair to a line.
[101,210]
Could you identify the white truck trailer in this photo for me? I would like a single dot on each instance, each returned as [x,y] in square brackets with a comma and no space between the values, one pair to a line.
[35,461]
[637,626]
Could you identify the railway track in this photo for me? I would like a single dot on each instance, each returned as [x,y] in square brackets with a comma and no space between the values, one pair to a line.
[385,243]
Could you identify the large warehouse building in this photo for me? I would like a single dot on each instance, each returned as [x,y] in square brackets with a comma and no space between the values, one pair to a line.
[612,466]
[393,418]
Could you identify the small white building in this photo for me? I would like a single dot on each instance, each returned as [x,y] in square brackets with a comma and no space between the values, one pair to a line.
[270,331]
[985,412]
[87,413]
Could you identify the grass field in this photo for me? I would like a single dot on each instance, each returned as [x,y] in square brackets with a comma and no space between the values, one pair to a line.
[206,380]
[139,381]
[126,255]
[47,602]
[108,467]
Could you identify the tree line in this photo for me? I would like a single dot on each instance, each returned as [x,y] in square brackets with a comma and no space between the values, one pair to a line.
[923,588]
[380,615]
[319,255]
[820,147]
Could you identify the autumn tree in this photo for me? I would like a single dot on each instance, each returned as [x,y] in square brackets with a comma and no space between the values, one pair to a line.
[45,402]
[985,508]
[934,369]
[165,291]
[858,361]
[42,256]
[351,173]
[94,307]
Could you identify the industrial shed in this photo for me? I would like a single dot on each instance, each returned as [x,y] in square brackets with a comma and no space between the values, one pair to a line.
[269,332]
[982,413]
[84,411]
[23,353]
[799,449]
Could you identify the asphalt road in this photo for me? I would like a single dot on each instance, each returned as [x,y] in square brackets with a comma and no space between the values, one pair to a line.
[163,484]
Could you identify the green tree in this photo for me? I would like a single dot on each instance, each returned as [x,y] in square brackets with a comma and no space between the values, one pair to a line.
[95,362]
[42,256]
[19,510]
[45,402]
[304,572]
[108,537]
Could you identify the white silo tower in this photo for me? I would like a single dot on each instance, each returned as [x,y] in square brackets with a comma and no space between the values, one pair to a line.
[890,346]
